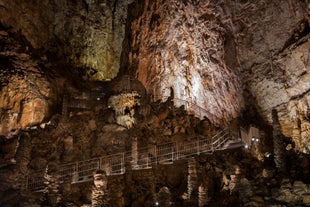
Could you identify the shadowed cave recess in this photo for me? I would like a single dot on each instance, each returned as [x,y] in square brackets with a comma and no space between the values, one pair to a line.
[131,103]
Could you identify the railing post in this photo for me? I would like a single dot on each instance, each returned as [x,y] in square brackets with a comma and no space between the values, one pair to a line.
[100,163]
[156,159]
[198,148]
[172,153]
[176,151]
[123,164]
[75,176]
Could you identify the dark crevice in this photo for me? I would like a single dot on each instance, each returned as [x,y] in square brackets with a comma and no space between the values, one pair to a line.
[299,32]
[299,96]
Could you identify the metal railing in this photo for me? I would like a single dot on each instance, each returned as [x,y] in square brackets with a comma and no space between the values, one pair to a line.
[167,153]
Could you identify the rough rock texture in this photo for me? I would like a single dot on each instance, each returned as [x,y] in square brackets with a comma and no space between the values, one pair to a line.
[215,54]
[88,34]
[178,49]
[202,52]
[28,95]
[208,54]
[272,45]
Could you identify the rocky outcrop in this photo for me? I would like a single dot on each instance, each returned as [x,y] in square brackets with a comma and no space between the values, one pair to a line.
[28,94]
[274,59]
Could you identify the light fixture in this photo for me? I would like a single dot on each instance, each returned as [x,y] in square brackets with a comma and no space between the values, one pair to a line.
[246,146]
[156,203]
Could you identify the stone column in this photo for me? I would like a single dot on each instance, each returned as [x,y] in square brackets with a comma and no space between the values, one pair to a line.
[203,197]
[296,135]
[65,111]
[52,193]
[163,197]
[134,152]
[278,146]
[99,195]
[304,134]
[191,178]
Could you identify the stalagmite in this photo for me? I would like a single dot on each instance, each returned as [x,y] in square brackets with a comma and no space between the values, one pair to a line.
[278,147]
[64,111]
[134,152]
[99,195]
[52,191]
[191,178]
[164,197]
[203,197]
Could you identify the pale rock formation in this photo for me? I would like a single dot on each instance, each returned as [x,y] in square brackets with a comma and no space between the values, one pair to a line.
[124,106]
[178,50]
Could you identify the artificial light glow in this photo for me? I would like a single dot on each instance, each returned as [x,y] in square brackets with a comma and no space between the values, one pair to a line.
[246,146]
[257,140]
[156,203]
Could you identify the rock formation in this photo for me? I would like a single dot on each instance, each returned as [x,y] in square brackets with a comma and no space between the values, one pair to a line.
[171,71]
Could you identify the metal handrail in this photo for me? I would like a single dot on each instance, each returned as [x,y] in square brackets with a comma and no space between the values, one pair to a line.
[114,164]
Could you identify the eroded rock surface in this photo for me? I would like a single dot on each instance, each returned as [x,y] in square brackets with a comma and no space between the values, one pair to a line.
[28,93]
[178,50]
[87,34]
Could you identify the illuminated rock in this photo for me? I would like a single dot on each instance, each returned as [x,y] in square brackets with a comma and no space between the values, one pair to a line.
[181,54]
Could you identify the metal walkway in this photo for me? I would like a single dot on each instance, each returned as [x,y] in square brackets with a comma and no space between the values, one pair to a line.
[144,158]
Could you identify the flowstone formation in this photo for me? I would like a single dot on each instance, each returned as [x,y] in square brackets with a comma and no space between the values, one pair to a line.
[215,54]
[178,50]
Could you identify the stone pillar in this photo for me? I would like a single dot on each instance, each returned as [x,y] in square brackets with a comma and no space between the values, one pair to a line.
[64,111]
[99,195]
[304,134]
[163,197]
[278,145]
[203,197]
[134,152]
[52,193]
[296,135]
[191,178]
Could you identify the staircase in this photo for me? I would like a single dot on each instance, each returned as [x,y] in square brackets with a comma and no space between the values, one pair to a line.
[167,153]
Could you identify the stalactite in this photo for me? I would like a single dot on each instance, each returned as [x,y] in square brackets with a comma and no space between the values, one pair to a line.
[278,146]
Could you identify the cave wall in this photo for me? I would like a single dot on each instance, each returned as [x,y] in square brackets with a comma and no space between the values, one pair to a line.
[222,56]
[86,34]
[178,49]
[272,40]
